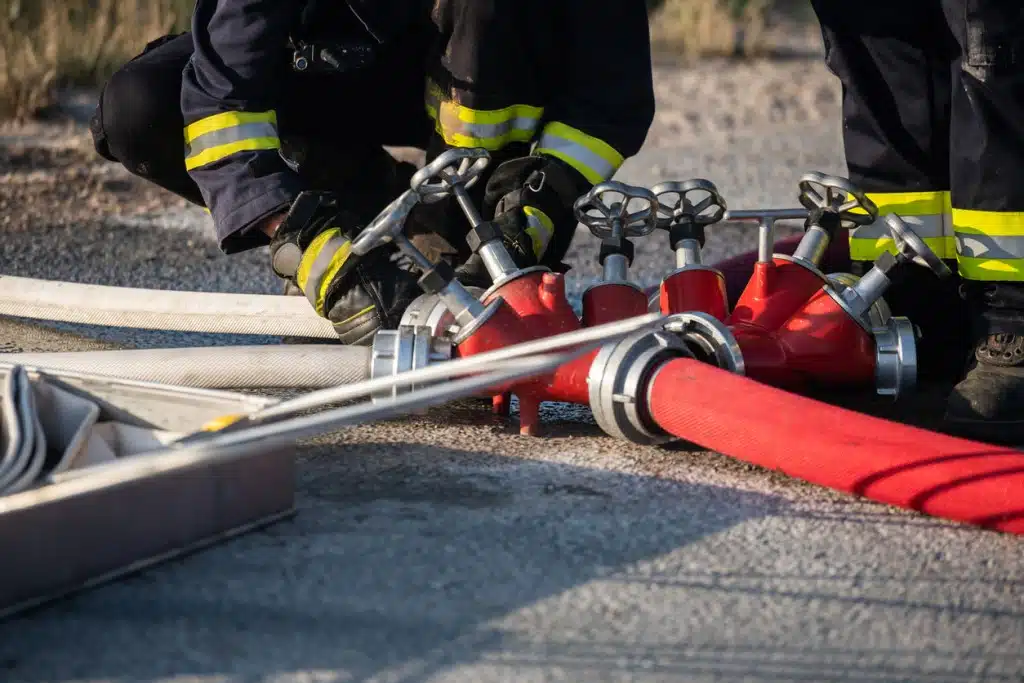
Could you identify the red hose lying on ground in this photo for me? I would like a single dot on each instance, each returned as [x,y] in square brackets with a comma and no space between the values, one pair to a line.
[939,475]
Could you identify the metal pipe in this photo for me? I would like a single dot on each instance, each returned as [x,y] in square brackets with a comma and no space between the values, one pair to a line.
[688,253]
[616,268]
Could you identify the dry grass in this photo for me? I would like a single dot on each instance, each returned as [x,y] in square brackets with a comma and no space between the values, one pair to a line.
[701,28]
[45,44]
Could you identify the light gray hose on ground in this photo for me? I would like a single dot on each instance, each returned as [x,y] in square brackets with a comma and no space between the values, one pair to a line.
[159,309]
[298,366]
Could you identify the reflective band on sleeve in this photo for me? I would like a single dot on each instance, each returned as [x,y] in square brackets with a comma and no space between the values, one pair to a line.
[989,244]
[221,135]
[927,214]
[491,129]
[541,229]
[595,159]
[320,263]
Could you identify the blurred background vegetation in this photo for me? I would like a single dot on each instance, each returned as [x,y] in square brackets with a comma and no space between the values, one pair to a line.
[49,44]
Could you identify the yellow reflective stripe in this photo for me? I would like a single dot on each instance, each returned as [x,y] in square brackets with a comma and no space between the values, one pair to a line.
[337,261]
[999,270]
[868,249]
[541,228]
[353,317]
[594,158]
[310,255]
[909,203]
[212,154]
[491,129]
[1005,223]
[219,136]
[927,214]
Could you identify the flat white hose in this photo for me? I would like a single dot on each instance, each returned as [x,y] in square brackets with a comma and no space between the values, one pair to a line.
[159,309]
[298,366]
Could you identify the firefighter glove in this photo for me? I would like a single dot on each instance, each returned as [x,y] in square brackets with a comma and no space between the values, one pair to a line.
[312,250]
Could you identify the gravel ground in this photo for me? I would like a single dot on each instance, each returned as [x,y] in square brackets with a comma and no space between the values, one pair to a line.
[447,548]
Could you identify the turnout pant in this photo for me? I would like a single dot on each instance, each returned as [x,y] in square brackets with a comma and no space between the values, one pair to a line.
[138,120]
[933,126]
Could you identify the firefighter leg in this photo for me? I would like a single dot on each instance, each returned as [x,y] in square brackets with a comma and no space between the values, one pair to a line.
[494,67]
[893,62]
[988,213]
[138,120]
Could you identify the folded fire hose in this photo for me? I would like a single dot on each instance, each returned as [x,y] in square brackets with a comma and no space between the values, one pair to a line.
[47,431]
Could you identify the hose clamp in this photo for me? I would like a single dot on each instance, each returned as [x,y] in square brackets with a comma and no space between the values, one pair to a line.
[618,382]
[895,357]
[708,339]
[401,350]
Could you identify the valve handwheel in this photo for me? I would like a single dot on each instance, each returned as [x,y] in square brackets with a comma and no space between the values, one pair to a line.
[388,225]
[677,204]
[910,245]
[450,170]
[821,193]
[607,217]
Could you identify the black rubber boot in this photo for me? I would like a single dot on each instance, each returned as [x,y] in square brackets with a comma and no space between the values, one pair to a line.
[988,404]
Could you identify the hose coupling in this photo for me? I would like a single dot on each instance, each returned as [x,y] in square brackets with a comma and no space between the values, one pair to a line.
[620,375]
[409,347]
[895,357]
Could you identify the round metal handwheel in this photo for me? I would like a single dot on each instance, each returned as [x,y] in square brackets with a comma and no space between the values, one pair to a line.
[822,192]
[606,210]
[439,178]
[910,245]
[387,225]
[696,201]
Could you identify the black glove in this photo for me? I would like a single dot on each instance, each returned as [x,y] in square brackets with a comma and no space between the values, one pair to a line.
[359,294]
[531,200]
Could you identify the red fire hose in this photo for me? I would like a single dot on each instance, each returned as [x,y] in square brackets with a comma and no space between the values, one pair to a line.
[889,462]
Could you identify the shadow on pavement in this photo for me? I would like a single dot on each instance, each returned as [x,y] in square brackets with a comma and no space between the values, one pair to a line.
[401,560]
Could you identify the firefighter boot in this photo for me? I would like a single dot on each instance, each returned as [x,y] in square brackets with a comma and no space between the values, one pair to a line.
[988,403]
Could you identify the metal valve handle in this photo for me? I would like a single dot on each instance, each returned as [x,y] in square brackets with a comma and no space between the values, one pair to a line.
[451,170]
[675,205]
[819,191]
[910,245]
[388,225]
[607,218]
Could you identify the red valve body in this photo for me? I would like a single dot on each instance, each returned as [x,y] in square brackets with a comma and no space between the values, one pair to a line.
[535,306]
[611,301]
[695,288]
[820,343]
[775,292]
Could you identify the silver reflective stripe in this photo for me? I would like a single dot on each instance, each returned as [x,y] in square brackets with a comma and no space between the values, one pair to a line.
[539,232]
[933,225]
[597,165]
[453,125]
[320,266]
[996,247]
[225,136]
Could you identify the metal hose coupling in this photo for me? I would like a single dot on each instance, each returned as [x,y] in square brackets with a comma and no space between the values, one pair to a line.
[620,375]
[409,347]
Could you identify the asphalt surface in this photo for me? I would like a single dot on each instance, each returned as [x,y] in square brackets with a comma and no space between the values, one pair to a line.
[448,548]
